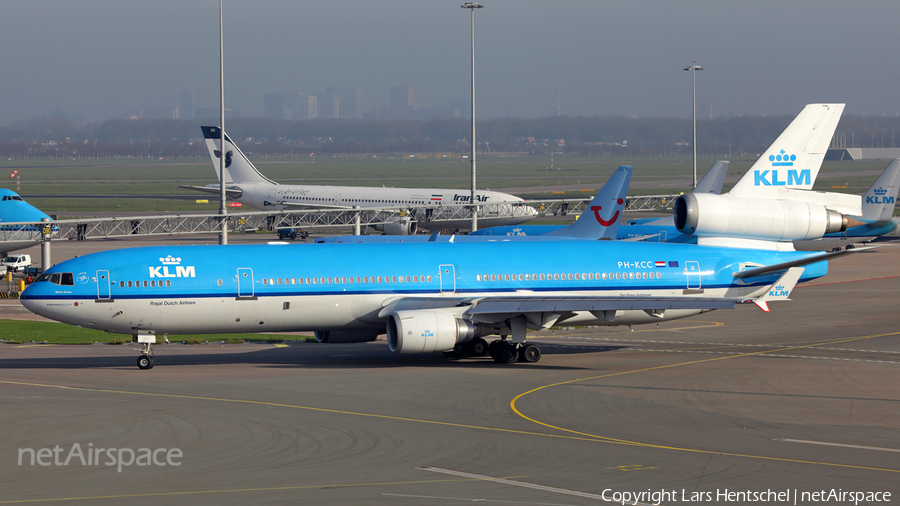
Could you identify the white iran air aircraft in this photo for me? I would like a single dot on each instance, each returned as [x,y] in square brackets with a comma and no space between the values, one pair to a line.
[427,297]
[248,186]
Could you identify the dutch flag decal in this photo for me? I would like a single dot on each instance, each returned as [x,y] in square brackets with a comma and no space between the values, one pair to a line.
[660,264]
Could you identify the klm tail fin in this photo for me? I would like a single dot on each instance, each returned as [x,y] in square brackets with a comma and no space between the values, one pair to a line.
[601,218]
[713,180]
[794,159]
[879,201]
[238,168]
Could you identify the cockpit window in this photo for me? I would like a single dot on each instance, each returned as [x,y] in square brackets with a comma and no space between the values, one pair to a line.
[12,197]
[58,278]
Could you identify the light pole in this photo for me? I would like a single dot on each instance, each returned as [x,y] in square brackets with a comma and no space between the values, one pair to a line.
[693,68]
[472,6]
[223,232]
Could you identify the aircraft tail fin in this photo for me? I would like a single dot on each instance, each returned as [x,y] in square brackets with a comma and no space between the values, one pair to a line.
[238,168]
[713,180]
[794,159]
[601,218]
[878,203]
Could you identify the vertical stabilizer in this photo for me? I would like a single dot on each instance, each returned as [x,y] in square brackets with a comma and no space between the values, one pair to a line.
[878,203]
[238,168]
[794,159]
[601,218]
[713,180]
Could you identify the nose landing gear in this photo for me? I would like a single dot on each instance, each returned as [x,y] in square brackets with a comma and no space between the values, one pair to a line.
[145,361]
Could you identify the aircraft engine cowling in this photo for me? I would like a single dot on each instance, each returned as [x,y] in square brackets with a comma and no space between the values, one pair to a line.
[402,226]
[346,336]
[766,219]
[426,331]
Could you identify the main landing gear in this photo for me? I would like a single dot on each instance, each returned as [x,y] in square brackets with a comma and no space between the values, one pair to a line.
[501,350]
[477,347]
[507,352]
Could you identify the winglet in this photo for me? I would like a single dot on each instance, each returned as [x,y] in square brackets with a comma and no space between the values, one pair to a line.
[781,289]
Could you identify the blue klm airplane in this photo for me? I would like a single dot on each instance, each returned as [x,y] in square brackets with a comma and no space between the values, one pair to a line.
[15,230]
[427,297]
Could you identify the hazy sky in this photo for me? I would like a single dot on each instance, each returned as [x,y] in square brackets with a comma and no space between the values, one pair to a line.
[103,58]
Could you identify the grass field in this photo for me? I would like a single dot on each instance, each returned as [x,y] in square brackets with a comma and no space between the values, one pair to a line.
[17,331]
[161,178]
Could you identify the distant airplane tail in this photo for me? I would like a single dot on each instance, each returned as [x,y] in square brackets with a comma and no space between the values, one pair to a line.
[601,218]
[713,180]
[238,168]
[878,203]
[794,159]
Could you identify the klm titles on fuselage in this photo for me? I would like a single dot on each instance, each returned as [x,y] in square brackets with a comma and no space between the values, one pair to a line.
[181,271]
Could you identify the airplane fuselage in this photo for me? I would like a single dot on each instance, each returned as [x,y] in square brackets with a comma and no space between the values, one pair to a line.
[286,287]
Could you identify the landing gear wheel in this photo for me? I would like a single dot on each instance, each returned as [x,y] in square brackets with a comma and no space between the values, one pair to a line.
[458,351]
[530,353]
[506,353]
[145,362]
[477,347]
[494,349]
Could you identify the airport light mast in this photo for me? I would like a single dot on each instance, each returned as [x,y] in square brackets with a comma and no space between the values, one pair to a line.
[223,232]
[693,68]
[472,6]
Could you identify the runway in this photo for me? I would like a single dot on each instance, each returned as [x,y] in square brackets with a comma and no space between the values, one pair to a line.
[801,400]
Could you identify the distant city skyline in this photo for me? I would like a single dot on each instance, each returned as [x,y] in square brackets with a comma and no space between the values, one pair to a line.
[100,59]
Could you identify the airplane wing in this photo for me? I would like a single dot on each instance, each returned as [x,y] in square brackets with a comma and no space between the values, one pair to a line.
[297,205]
[545,311]
[230,192]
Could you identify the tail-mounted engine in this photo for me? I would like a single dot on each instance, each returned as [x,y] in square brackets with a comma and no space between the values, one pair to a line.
[774,220]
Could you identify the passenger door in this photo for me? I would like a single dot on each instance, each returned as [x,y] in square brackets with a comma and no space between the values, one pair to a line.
[103,285]
[447,273]
[245,282]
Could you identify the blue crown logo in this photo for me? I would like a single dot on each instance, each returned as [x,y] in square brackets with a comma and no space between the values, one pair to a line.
[779,287]
[881,191]
[782,159]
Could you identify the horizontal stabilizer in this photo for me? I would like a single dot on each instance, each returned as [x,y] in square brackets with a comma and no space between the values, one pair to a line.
[232,193]
[768,269]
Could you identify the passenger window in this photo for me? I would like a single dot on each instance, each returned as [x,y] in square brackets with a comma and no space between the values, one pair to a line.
[145,284]
[393,279]
[618,275]
[542,276]
[429,279]
[478,277]
[265,281]
[218,282]
[521,277]
[168,282]
[121,284]
[407,279]
[604,275]
[577,276]
[153,283]
[528,277]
